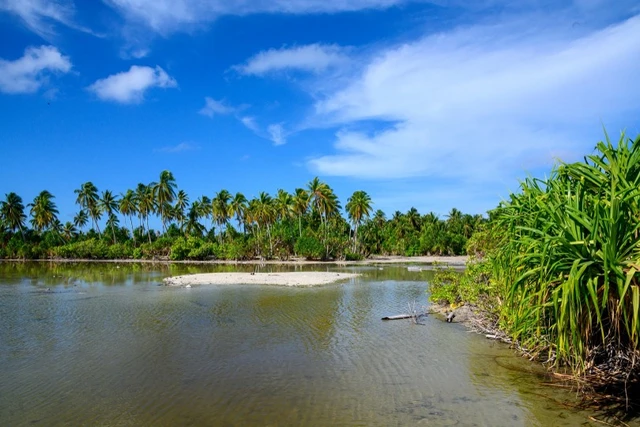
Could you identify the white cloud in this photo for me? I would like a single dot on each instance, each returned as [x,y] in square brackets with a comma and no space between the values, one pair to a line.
[40,15]
[166,16]
[277,134]
[29,73]
[250,123]
[314,58]
[213,107]
[179,148]
[130,86]
[483,102]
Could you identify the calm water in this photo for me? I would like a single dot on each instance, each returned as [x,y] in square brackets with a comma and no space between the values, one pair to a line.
[107,345]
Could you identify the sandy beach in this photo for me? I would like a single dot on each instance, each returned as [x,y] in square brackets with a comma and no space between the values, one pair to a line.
[309,278]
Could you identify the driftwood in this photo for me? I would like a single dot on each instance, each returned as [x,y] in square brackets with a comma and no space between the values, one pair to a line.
[399,316]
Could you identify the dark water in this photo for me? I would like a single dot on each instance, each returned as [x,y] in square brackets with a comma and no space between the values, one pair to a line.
[105,344]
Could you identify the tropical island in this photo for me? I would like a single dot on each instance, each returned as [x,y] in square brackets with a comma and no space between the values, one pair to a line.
[307,224]
[554,271]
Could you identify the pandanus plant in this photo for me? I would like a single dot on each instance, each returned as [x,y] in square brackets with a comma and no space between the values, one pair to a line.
[570,266]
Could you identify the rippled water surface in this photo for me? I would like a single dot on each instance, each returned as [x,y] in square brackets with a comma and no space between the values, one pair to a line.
[106,344]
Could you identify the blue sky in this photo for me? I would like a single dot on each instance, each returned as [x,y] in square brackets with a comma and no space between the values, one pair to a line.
[426,104]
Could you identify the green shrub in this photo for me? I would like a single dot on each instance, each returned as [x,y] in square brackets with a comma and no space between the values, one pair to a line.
[310,247]
[350,256]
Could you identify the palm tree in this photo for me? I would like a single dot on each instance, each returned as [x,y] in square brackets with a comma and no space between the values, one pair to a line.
[112,222]
[414,218]
[57,229]
[264,213]
[220,209]
[192,226]
[146,204]
[108,204]
[43,211]
[69,231]
[283,205]
[88,200]
[358,207]
[182,202]
[301,202]
[238,207]
[165,192]
[317,192]
[204,207]
[12,213]
[81,219]
[128,207]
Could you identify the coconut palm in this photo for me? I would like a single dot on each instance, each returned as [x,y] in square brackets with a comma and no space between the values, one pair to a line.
[301,202]
[108,204]
[128,207]
[220,209]
[69,231]
[164,192]
[283,205]
[146,204]
[88,200]
[413,216]
[81,219]
[57,229]
[358,208]
[192,225]
[204,208]
[238,207]
[264,213]
[43,211]
[182,202]
[317,193]
[12,213]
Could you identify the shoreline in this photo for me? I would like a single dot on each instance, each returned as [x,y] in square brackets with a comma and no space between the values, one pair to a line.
[299,279]
[451,261]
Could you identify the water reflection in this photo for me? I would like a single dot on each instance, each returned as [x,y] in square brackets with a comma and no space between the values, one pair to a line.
[107,345]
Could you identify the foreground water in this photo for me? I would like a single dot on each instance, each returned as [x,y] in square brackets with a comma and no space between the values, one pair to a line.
[105,344]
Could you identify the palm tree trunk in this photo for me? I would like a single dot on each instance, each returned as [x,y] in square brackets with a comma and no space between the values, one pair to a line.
[355,239]
[132,233]
[270,242]
[148,229]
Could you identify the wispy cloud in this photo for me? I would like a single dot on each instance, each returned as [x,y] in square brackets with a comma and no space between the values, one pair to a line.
[277,134]
[179,148]
[313,58]
[482,102]
[213,107]
[250,123]
[30,72]
[40,16]
[167,16]
[130,86]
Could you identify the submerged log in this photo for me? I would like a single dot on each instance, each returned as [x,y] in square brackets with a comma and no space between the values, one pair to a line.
[399,316]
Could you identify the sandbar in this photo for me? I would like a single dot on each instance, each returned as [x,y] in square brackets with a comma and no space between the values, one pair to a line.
[298,278]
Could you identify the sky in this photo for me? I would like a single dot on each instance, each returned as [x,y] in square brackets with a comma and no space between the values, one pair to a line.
[427,104]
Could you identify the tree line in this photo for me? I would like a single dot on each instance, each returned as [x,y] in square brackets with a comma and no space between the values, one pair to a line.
[307,222]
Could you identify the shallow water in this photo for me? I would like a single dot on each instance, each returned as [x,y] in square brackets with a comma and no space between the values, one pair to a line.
[105,344]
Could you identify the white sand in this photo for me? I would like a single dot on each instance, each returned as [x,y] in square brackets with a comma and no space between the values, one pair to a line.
[307,278]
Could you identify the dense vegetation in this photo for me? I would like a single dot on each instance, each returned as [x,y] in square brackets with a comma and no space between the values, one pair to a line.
[561,269]
[306,223]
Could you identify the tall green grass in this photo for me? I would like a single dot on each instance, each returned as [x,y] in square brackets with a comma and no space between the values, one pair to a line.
[570,265]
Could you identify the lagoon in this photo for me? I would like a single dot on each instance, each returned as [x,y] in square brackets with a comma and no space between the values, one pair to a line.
[108,344]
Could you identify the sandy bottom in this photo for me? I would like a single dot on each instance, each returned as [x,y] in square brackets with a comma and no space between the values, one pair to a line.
[308,278]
